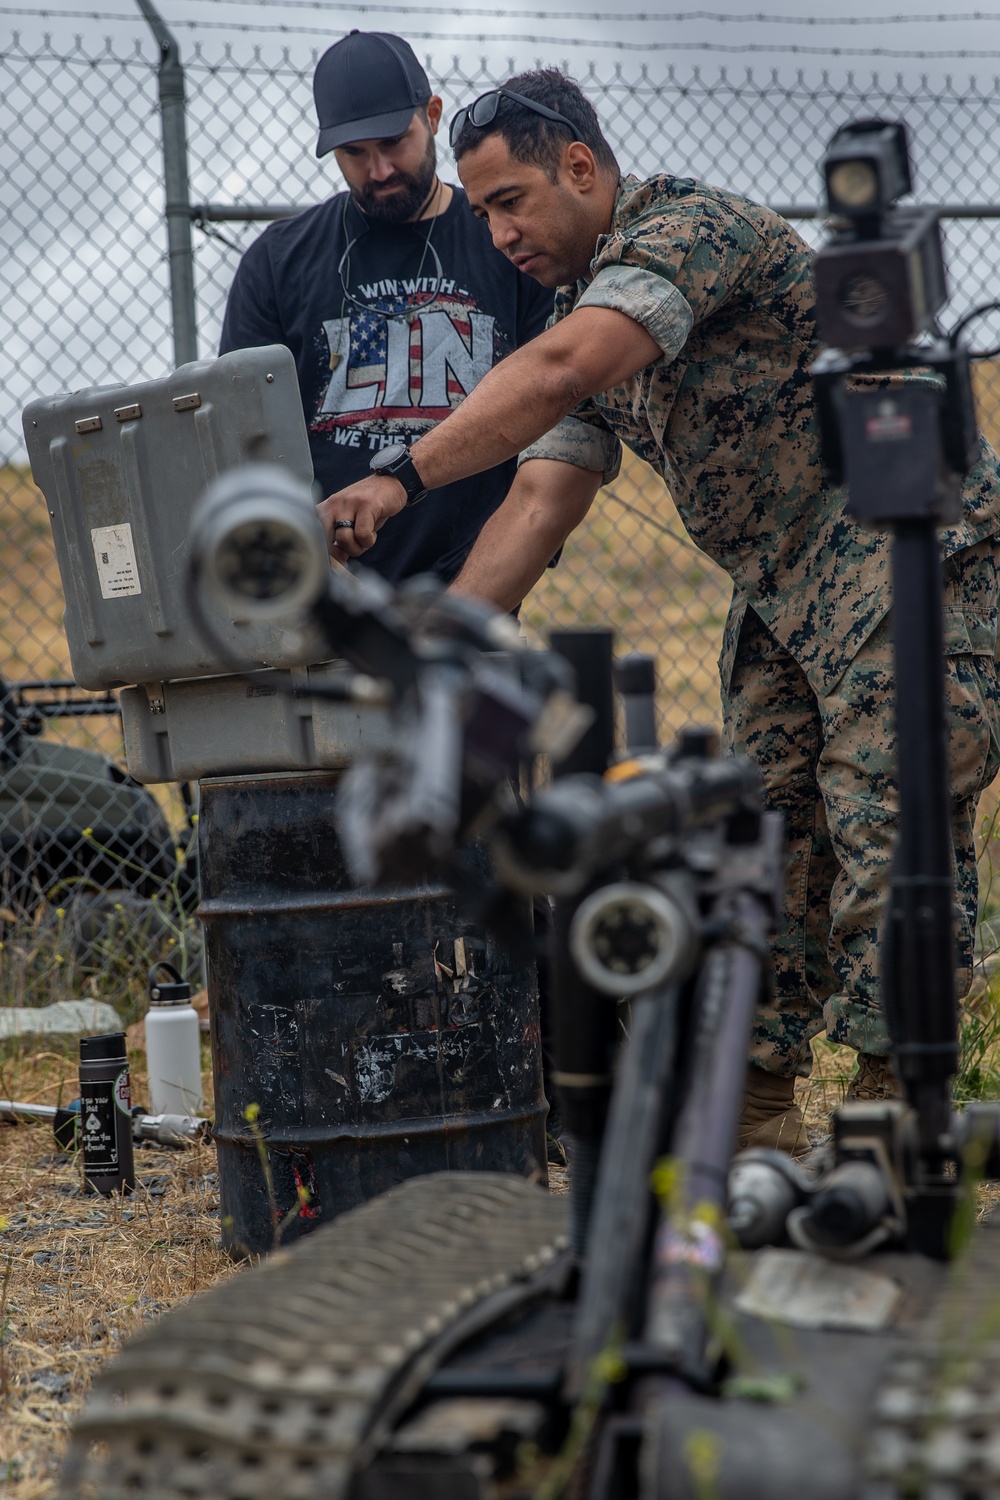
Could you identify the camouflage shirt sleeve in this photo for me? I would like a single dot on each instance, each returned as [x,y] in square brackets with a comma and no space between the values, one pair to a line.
[645,297]
[586,444]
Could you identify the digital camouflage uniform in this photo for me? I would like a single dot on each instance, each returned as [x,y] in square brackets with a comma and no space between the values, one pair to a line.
[728,417]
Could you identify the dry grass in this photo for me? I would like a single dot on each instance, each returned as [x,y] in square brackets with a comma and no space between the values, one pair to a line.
[826,1087]
[31,606]
[79,1274]
[41,960]
[32,640]
[630,568]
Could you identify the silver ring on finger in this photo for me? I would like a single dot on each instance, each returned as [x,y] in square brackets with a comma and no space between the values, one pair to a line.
[343,525]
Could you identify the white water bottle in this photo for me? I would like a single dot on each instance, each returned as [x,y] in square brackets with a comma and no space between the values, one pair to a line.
[173,1047]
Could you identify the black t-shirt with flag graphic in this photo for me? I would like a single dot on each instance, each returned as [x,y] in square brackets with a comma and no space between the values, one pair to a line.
[389,330]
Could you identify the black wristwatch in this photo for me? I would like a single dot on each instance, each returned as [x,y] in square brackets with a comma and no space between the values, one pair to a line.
[396,461]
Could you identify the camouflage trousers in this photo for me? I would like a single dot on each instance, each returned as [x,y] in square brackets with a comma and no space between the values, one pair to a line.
[828,764]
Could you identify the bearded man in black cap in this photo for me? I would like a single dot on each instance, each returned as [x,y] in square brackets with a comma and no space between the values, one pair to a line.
[391,297]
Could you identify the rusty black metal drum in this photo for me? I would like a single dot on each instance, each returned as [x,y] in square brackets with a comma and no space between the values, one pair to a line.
[378,1034]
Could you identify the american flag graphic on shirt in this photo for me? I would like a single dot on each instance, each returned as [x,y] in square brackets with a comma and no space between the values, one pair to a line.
[401,364]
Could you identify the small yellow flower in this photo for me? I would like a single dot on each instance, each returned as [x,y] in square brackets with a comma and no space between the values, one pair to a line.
[88,833]
[252,1113]
[610,1368]
[707,1213]
[665,1179]
[702,1450]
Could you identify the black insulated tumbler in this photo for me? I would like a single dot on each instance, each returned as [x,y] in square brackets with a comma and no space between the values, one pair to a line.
[106,1114]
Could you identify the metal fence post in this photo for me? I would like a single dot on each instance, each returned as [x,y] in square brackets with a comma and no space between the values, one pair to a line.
[175,172]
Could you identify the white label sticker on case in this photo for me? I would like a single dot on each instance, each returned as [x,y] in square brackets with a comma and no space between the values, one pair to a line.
[808,1291]
[115,558]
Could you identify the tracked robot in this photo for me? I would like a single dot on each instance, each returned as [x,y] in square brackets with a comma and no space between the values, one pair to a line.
[685,1324]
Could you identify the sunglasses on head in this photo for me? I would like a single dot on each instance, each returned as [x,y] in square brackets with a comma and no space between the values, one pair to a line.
[483,111]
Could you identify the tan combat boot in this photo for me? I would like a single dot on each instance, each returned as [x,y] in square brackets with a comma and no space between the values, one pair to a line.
[874,1079]
[770,1115]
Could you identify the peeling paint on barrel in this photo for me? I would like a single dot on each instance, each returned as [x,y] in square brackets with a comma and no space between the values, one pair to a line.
[378,1032]
[376,1062]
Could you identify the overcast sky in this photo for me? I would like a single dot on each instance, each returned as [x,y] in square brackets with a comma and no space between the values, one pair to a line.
[912,35]
[83,277]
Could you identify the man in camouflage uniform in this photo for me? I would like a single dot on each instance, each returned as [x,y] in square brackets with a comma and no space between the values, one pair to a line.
[684,328]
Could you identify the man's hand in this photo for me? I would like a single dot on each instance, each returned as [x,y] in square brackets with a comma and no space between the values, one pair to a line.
[367,505]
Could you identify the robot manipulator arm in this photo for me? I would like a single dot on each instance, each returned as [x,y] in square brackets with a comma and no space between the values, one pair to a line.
[470,702]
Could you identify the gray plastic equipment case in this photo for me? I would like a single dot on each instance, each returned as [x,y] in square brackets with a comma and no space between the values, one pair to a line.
[238,726]
[121,469]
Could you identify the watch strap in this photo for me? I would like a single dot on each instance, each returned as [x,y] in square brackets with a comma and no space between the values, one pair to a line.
[404,469]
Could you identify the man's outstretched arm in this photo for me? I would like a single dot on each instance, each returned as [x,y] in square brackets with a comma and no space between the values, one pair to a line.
[544,504]
[517,402]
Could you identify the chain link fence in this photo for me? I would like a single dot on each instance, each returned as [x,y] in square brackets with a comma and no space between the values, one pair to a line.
[85,276]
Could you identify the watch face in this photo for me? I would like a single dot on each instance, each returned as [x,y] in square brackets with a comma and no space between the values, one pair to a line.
[388,456]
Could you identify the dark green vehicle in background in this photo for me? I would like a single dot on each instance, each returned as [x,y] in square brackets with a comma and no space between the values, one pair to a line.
[82,841]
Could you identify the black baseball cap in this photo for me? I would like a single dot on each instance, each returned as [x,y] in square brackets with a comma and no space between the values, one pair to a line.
[367,86]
